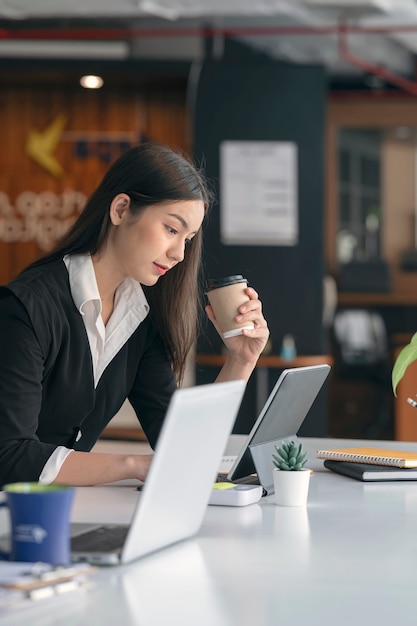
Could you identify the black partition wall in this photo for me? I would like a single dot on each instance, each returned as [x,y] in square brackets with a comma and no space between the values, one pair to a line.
[252,98]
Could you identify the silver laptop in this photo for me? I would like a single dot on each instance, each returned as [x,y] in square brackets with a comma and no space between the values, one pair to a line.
[279,420]
[173,501]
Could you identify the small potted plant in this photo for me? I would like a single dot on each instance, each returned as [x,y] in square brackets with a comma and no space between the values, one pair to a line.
[291,477]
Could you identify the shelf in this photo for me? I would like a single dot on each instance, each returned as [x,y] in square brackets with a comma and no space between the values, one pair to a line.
[128,434]
[217,360]
[384,299]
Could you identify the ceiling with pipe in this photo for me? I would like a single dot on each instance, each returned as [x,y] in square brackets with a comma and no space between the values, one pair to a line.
[375,38]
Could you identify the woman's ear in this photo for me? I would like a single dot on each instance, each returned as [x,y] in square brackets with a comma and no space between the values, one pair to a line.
[119,207]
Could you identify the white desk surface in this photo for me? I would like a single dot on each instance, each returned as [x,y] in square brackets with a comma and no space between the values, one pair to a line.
[350,557]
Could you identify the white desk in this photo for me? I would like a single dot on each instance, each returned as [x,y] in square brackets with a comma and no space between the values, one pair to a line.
[349,558]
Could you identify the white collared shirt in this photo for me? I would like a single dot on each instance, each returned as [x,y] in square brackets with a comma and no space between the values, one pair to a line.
[130,309]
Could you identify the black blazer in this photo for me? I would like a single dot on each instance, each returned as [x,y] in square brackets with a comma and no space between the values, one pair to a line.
[47,392]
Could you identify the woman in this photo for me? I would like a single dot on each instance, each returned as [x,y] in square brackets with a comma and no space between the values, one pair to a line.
[78,336]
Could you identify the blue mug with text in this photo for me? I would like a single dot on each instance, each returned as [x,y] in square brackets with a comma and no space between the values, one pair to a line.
[39,522]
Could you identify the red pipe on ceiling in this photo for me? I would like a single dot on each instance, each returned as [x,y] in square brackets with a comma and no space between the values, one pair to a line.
[132,33]
[371,68]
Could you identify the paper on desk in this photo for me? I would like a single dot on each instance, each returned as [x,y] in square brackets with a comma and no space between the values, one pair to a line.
[24,582]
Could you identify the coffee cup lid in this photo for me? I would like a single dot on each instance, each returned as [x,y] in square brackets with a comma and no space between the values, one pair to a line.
[215,283]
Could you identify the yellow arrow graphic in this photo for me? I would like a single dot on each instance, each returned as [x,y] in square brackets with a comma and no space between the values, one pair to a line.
[41,145]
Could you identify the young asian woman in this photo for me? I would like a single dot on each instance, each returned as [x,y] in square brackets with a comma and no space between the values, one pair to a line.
[110,313]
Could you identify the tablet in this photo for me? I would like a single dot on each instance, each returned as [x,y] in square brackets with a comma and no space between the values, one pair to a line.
[279,421]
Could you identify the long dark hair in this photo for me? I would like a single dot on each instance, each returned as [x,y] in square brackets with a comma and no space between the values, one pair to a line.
[149,174]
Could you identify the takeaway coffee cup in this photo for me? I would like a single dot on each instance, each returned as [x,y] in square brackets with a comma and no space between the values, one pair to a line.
[39,522]
[225,296]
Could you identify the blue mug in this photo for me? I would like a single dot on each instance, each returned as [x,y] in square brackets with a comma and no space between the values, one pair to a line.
[40,522]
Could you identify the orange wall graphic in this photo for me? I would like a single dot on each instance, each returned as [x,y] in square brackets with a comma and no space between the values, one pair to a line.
[56,145]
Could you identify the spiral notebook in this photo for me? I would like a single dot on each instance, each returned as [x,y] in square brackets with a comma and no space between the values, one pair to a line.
[372,456]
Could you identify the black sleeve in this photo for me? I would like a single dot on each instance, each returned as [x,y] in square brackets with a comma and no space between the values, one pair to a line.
[153,387]
[22,455]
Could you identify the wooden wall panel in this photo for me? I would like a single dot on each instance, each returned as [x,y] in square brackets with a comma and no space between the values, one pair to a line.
[166,120]
[96,127]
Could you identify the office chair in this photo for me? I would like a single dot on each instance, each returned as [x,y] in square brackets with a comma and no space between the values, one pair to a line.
[361,351]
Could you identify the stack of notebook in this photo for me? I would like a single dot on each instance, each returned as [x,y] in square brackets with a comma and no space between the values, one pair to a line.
[371,464]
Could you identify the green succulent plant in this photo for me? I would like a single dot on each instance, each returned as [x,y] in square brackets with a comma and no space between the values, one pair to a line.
[289,457]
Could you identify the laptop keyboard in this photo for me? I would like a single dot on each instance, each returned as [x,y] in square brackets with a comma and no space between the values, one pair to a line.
[100,539]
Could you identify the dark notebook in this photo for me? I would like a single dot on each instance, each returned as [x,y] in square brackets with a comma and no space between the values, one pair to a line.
[368,472]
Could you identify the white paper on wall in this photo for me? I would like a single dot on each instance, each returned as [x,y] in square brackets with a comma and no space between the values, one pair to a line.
[258,193]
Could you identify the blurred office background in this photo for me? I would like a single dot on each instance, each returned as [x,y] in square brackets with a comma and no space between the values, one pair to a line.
[319,94]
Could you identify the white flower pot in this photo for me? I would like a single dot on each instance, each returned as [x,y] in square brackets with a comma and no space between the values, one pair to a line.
[291,487]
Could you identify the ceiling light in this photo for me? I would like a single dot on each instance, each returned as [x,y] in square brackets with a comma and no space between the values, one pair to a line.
[91,82]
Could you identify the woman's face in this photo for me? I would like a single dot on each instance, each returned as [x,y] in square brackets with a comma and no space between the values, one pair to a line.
[148,246]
